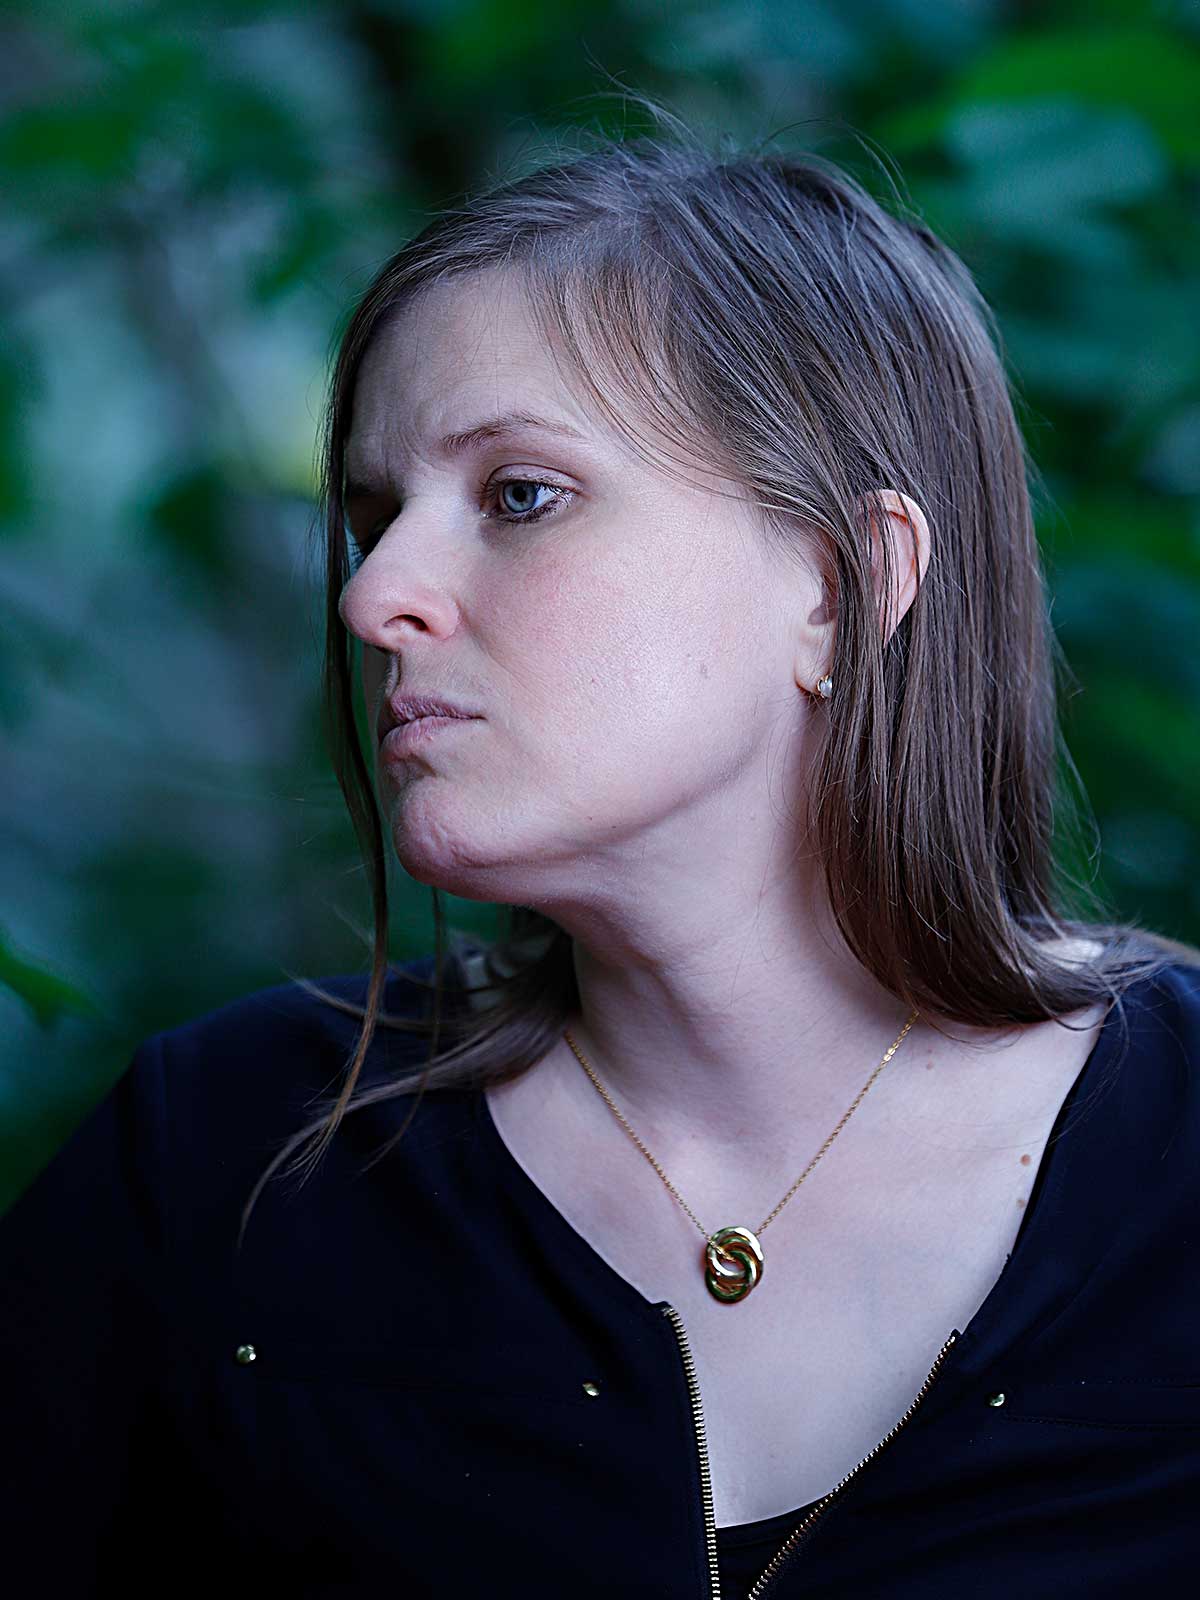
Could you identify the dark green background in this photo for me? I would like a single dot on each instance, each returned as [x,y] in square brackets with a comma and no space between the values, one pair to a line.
[193,196]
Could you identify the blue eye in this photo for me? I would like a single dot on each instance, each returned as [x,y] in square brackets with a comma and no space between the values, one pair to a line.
[529,512]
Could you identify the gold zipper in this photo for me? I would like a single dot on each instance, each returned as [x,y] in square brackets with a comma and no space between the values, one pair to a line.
[793,1538]
[710,1516]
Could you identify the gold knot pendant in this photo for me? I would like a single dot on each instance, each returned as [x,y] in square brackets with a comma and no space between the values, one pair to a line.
[733,1264]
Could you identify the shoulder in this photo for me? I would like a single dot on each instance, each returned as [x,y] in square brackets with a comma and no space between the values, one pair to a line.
[1151,1067]
[1162,1011]
[231,1079]
[298,1007]
[1158,1012]
[239,1083]
[291,1038]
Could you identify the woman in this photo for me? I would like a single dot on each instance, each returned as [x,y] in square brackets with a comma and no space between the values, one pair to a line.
[678,504]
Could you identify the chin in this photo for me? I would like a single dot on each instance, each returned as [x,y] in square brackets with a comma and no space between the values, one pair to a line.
[437,847]
[472,853]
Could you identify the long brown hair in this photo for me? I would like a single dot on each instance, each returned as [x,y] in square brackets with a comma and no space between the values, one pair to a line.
[764,310]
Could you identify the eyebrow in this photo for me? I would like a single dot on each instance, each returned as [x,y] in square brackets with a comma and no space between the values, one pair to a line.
[459,444]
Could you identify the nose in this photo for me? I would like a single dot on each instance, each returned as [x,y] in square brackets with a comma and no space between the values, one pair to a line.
[386,602]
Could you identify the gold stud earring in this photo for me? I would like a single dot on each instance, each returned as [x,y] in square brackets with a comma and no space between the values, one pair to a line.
[825,686]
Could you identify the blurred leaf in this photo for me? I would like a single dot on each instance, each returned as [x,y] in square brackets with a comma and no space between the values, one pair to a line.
[97,141]
[1150,847]
[1043,168]
[189,517]
[48,996]
[485,36]
[1151,71]
[18,386]
[1142,740]
[1129,535]
[1146,608]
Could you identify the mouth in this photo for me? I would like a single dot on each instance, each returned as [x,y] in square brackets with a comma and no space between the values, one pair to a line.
[404,709]
[406,737]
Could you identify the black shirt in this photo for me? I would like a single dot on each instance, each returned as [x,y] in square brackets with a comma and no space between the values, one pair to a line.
[418,1379]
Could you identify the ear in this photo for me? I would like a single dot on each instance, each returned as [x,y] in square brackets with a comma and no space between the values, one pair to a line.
[907,533]
[904,526]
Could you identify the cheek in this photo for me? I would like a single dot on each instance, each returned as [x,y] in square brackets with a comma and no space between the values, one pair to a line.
[592,641]
[647,651]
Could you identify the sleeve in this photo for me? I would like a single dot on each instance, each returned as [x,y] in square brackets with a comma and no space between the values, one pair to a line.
[82,1335]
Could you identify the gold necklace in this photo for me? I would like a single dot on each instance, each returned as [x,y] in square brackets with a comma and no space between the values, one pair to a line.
[733,1257]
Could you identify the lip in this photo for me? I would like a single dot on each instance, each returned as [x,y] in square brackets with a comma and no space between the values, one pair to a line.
[407,737]
[403,708]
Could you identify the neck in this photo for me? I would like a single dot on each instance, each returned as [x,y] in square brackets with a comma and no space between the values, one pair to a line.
[726,1034]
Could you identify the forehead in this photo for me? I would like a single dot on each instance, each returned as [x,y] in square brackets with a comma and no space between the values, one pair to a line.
[471,351]
[460,352]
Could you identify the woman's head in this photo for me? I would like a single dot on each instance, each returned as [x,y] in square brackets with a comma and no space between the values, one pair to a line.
[794,403]
[631,640]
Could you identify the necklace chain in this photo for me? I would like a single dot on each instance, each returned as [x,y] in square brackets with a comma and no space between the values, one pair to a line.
[603,1092]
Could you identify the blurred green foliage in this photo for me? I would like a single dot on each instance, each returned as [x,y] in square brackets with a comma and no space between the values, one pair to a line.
[194,194]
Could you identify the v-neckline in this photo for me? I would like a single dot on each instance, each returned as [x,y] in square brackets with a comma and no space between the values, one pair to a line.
[1033,1224]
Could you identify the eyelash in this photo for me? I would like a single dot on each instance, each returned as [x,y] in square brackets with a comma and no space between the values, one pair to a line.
[559,495]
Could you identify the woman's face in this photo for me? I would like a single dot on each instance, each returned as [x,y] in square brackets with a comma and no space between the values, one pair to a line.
[629,643]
